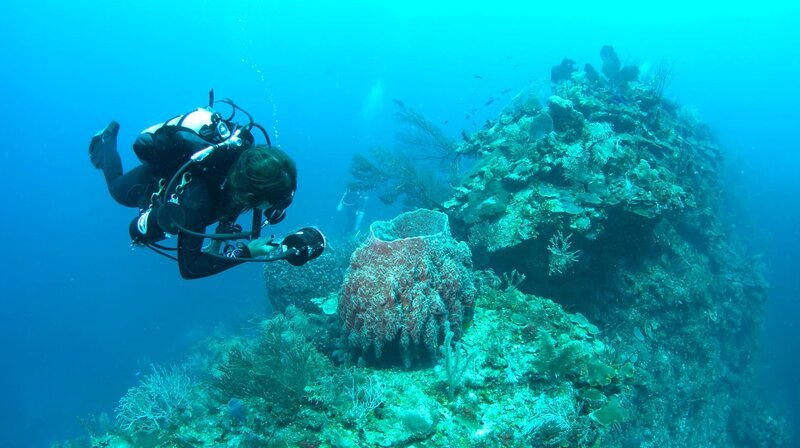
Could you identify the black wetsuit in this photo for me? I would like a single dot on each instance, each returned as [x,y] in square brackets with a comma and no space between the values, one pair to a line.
[204,199]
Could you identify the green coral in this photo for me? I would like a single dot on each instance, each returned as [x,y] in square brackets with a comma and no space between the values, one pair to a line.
[277,367]
[610,414]
[573,359]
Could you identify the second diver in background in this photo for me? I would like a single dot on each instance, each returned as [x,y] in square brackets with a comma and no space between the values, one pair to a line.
[352,204]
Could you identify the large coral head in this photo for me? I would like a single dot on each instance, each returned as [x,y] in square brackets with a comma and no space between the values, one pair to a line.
[404,282]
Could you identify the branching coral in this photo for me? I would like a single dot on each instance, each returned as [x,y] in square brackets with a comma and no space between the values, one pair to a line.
[276,368]
[394,174]
[561,257]
[156,402]
[455,365]
[424,135]
[412,172]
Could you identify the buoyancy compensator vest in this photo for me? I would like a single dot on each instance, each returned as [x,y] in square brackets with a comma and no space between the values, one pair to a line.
[167,146]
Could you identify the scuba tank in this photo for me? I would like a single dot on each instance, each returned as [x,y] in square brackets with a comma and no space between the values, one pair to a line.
[168,145]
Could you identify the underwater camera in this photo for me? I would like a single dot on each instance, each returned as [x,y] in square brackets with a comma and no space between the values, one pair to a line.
[303,246]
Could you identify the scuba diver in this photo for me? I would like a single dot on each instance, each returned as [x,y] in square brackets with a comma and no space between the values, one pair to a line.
[198,169]
[353,203]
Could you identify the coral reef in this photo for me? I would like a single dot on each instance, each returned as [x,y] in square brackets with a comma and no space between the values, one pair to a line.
[407,279]
[619,213]
[531,375]
[597,163]
[305,286]
[626,314]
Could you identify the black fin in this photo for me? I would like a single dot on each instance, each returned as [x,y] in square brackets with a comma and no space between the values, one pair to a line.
[102,142]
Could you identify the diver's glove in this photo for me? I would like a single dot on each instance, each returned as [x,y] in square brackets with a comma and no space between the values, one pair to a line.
[262,246]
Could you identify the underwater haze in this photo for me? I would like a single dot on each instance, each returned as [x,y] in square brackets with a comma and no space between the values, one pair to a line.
[85,316]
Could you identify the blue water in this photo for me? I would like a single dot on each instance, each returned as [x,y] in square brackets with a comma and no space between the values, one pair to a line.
[82,314]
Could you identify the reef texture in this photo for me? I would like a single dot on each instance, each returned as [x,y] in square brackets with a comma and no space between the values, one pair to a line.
[627,312]
[408,278]
[526,373]
[305,286]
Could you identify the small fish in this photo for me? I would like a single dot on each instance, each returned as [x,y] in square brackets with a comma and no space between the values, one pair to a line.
[490,101]
[466,117]
[446,121]
[505,91]
[478,77]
